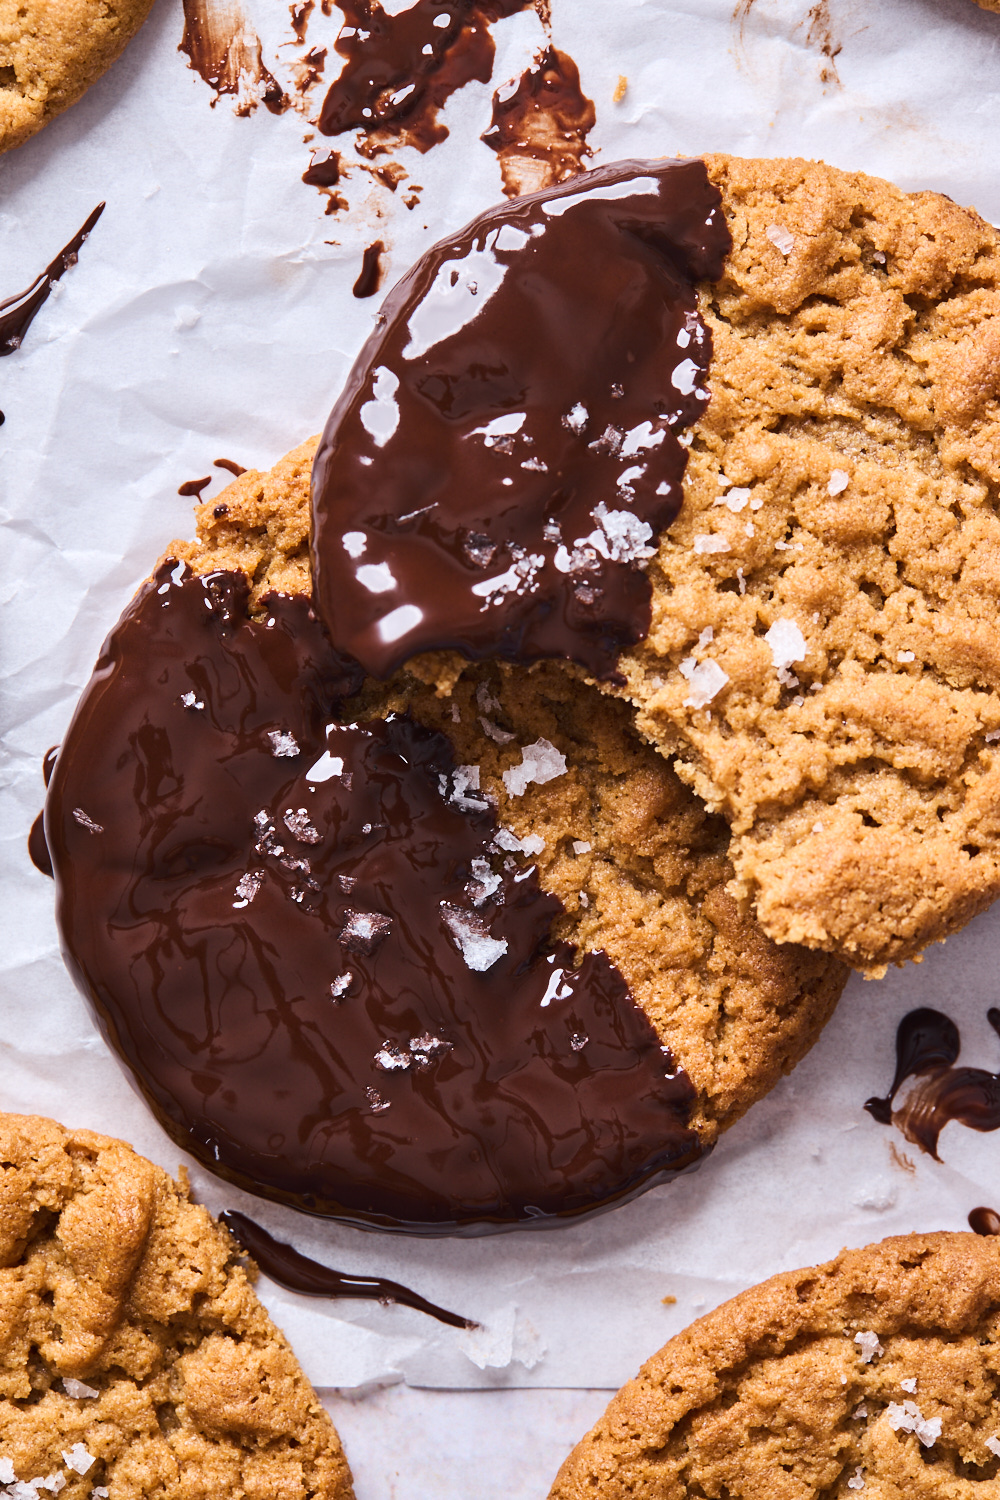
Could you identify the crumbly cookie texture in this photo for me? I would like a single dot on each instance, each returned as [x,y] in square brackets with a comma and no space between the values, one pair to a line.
[875,1374]
[51,51]
[823,658]
[135,1358]
[639,866]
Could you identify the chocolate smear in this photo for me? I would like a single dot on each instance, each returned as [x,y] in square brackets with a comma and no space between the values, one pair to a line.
[370,277]
[984,1221]
[927,1048]
[324,173]
[399,70]
[18,312]
[225,51]
[279,918]
[191,488]
[299,1273]
[540,125]
[229,464]
[495,476]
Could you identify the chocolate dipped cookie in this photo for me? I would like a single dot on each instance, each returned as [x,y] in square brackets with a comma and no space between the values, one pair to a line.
[872,1374]
[136,1357]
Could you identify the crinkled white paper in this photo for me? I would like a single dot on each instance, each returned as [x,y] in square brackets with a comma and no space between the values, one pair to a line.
[209,317]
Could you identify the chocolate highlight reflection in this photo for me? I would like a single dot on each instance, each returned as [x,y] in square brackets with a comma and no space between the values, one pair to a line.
[311,945]
[495,475]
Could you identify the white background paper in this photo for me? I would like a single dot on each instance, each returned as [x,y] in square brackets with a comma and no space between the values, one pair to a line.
[208,318]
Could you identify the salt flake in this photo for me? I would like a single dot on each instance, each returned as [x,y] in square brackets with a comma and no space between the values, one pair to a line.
[364,930]
[78,1390]
[857,1482]
[909,1385]
[909,1418]
[472,937]
[78,1459]
[283,746]
[540,762]
[839,480]
[869,1345]
[787,645]
[706,679]
[780,238]
[711,543]
[582,846]
[993,1444]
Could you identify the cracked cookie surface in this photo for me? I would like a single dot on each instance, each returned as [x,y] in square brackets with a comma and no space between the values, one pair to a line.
[135,1358]
[823,657]
[876,1373]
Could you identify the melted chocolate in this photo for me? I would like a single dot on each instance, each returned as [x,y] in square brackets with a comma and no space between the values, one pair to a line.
[17,313]
[399,70]
[505,452]
[231,465]
[38,849]
[540,125]
[325,173]
[287,1266]
[192,488]
[984,1221]
[325,975]
[300,18]
[927,1047]
[367,283]
[226,53]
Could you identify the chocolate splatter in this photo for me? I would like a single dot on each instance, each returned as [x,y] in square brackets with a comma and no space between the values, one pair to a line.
[191,488]
[399,70]
[18,312]
[984,1221]
[368,281]
[927,1048]
[299,1273]
[225,51]
[229,463]
[300,18]
[324,173]
[540,125]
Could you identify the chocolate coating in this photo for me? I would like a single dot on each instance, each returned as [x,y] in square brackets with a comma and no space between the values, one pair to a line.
[18,312]
[927,1047]
[984,1221]
[299,1273]
[505,452]
[326,978]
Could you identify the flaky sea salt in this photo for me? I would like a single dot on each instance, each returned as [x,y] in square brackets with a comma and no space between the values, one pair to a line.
[993,1444]
[532,843]
[909,1418]
[191,700]
[340,986]
[7,1475]
[582,846]
[484,882]
[780,238]
[857,1481]
[376,1103]
[464,779]
[787,645]
[711,542]
[85,821]
[736,499]
[705,639]
[364,930]
[497,735]
[392,1059]
[283,746]
[869,1346]
[839,480]
[78,1390]
[426,1047]
[78,1459]
[576,418]
[472,937]
[705,679]
[247,887]
[540,762]
[906,656]
[300,825]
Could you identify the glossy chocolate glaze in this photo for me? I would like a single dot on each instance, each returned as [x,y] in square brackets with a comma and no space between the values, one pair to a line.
[329,981]
[927,1048]
[984,1221]
[540,125]
[399,70]
[299,1273]
[370,277]
[38,849]
[505,452]
[18,312]
[324,173]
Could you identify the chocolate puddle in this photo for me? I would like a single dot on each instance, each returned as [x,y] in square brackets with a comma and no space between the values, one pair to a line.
[540,125]
[225,51]
[399,70]
[306,940]
[984,1221]
[494,477]
[370,276]
[299,1273]
[927,1048]
[18,312]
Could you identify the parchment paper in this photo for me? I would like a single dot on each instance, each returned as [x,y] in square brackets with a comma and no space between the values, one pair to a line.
[210,317]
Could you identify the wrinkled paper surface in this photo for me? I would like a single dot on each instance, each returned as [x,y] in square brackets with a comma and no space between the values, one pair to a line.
[209,317]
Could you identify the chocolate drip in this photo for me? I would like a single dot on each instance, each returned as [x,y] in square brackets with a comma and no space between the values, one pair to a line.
[300,18]
[368,281]
[231,465]
[984,1221]
[38,849]
[927,1047]
[223,49]
[290,1268]
[539,128]
[505,452]
[18,312]
[328,979]
[192,488]
[399,70]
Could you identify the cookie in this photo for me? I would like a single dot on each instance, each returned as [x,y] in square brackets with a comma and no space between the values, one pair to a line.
[874,1373]
[51,51]
[628,1005]
[136,1358]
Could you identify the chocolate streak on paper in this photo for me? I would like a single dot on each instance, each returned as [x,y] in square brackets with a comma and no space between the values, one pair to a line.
[299,1273]
[18,312]
[225,51]
[496,473]
[229,464]
[399,70]
[368,281]
[927,1048]
[326,977]
[540,125]
[191,488]
[300,18]
[324,173]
